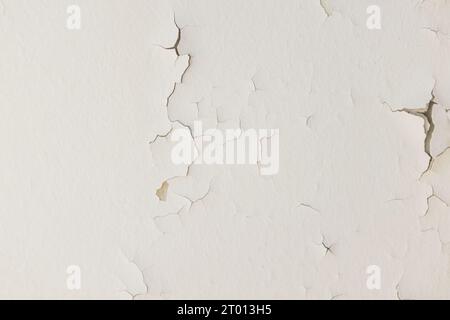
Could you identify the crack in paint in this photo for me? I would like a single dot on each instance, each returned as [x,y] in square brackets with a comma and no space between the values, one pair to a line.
[429,127]
[326,8]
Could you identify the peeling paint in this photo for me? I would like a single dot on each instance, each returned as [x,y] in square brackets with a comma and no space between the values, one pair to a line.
[88,178]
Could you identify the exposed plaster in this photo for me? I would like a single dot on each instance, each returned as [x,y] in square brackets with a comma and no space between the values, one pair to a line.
[161,193]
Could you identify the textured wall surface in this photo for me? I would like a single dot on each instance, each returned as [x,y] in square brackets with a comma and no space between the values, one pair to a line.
[92,204]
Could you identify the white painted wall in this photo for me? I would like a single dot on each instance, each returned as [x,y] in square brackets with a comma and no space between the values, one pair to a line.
[84,116]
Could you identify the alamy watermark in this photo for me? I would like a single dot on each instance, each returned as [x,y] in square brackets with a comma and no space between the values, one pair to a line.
[374,19]
[259,147]
[374,277]
[74,19]
[73,281]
